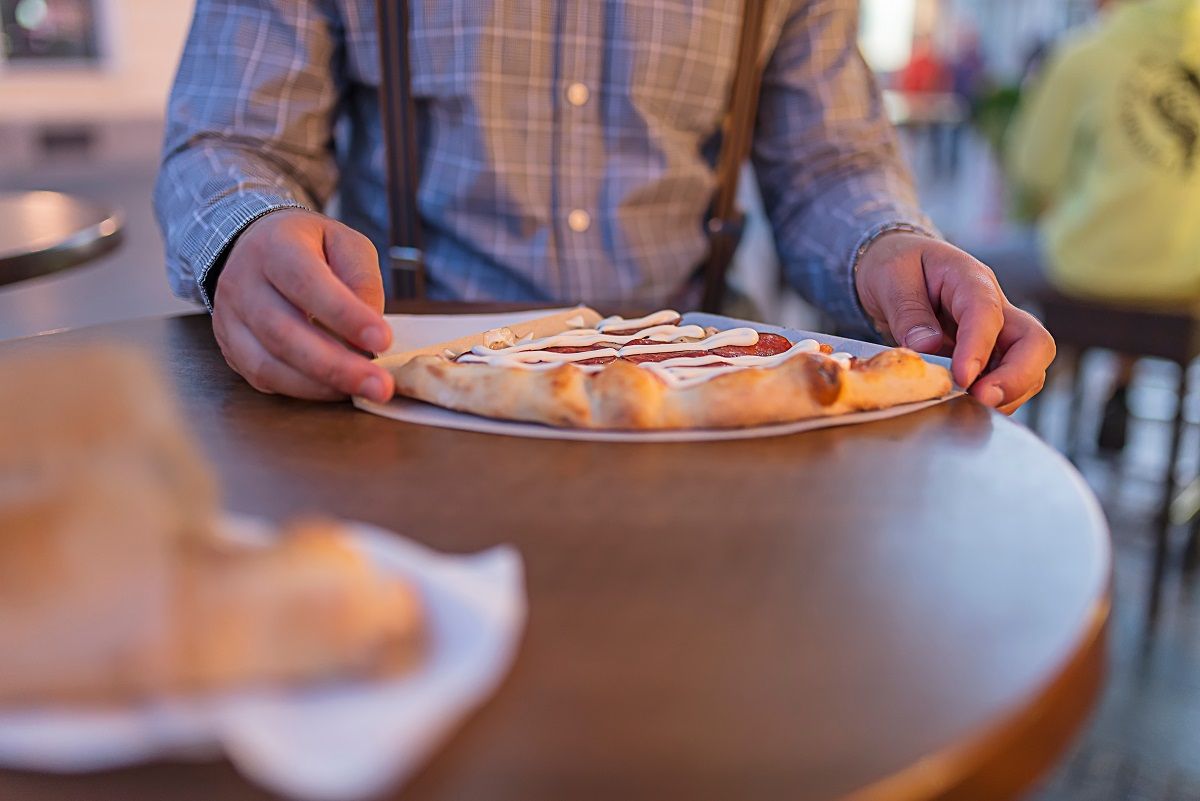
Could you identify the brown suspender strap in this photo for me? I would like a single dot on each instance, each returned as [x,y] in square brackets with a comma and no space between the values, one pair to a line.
[725,219]
[405,256]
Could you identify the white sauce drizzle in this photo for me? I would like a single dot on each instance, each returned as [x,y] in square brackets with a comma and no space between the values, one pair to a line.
[617,323]
[803,346]
[681,372]
[590,336]
[721,339]
[685,372]
[519,358]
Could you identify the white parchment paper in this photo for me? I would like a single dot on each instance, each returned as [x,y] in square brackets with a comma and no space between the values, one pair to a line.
[411,331]
[338,742]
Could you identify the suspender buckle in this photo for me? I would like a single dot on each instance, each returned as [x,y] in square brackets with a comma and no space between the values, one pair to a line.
[404,258]
[408,272]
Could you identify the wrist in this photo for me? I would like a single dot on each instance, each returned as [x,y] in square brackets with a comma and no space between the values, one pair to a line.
[880,247]
[209,278]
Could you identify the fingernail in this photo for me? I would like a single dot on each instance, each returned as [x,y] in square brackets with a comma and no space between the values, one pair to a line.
[372,389]
[921,336]
[992,396]
[374,338]
[974,368]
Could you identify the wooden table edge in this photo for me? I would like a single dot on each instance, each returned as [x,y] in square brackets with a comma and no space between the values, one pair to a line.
[1001,764]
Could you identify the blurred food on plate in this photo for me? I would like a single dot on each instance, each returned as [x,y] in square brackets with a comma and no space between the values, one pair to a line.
[116,581]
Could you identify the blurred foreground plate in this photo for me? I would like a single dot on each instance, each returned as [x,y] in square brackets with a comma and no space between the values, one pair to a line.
[337,741]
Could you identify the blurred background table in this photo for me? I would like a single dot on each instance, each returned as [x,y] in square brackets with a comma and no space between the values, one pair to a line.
[910,609]
[46,232]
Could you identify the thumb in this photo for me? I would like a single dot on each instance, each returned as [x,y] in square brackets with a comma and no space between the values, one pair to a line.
[354,260]
[911,319]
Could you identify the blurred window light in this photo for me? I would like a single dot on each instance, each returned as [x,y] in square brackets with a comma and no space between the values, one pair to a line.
[31,14]
[886,35]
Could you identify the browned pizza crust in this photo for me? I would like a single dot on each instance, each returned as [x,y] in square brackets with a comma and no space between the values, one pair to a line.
[892,378]
[625,396]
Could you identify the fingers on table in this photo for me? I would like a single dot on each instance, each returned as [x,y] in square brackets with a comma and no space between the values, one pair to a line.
[309,283]
[1028,349]
[246,355]
[289,337]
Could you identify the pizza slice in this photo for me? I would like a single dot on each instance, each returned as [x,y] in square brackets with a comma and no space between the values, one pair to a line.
[579,370]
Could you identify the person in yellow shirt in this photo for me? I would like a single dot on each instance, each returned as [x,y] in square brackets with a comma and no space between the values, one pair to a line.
[1105,149]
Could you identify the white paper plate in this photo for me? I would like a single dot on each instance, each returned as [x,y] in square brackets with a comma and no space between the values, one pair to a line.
[344,741]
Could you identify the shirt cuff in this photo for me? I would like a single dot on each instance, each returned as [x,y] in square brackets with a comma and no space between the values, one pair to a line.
[223,222]
[862,324]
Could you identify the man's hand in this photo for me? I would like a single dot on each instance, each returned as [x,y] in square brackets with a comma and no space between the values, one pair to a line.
[296,290]
[933,298]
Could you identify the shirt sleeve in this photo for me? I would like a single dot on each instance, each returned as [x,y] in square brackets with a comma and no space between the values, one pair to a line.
[249,128]
[827,158]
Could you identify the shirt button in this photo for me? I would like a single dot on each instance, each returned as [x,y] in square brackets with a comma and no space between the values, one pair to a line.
[579,220]
[577,94]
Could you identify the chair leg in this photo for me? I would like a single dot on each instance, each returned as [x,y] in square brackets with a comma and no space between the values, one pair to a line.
[1075,407]
[1033,409]
[1191,554]
[1163,523]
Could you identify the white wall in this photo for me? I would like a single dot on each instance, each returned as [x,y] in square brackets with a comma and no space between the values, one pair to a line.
[141,40]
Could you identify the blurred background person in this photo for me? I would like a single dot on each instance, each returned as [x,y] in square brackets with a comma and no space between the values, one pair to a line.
[925,72]
[1104,153]
[926,82]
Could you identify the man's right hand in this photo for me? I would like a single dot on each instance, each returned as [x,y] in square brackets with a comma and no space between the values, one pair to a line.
[296,288]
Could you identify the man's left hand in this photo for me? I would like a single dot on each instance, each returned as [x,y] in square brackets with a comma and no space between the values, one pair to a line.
[933,298]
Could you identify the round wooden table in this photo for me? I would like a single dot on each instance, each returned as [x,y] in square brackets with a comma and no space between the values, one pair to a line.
[910,609]
[45,232]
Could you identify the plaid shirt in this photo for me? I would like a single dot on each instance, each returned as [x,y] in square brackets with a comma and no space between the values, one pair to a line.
[566,145]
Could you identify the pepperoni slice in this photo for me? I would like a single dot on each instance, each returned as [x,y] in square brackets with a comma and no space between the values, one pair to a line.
[767,345]
[638,358]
